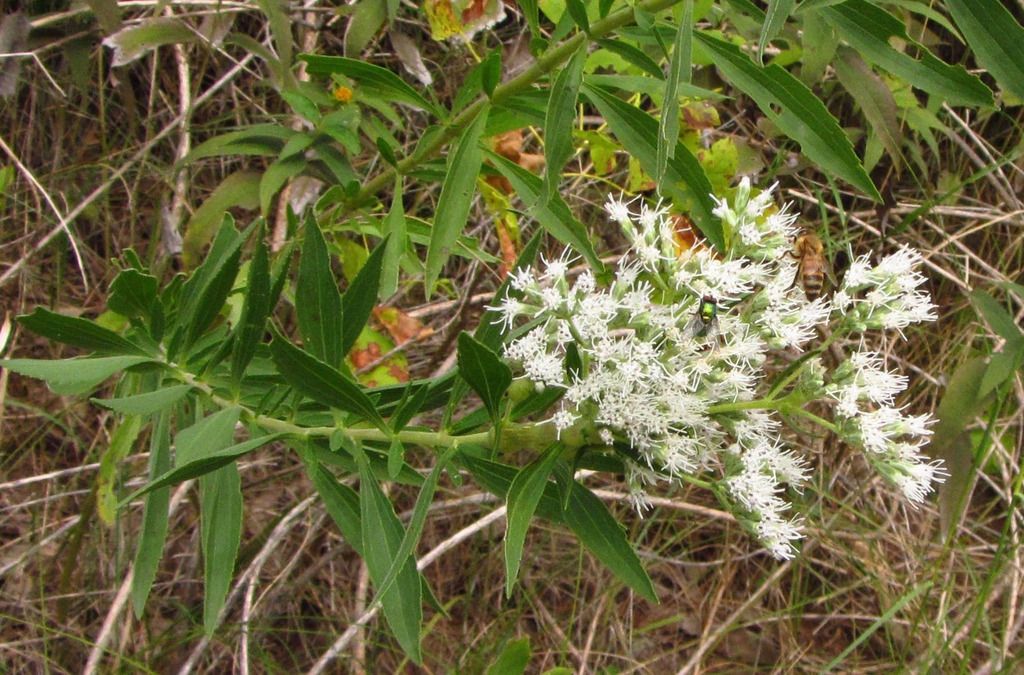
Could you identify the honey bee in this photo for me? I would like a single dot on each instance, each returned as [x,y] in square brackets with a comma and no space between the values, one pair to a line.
[809,250]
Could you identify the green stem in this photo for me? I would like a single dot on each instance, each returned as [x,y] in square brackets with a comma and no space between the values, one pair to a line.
[756,404]
[820,421]
[545,63]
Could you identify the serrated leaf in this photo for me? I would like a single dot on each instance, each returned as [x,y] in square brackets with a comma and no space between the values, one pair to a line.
[77,332]
[523,496]
[796,111]
[318,304]
[133,294]
[382,539]
[996,38]
[145,404]
[154,516]
[553,215]
[490,72]
[638,133]
[775,19]
[679,70]
[870,30]
[73,376]
[322,383]
[456,198]
[558,122]
[258,139]
[359,299]
[381,80]
[485,372]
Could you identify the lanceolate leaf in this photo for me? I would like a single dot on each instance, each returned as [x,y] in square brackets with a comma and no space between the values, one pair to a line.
[388,84]
[154,515]
[202,465]
[320,382]
[561,112]
[523,496]
[996,38]
[382,539]
[341,502]
[148,403]
[358,301]
[394,230]
[679,70]
[874,98]
[775,19]
[553,214]
[220,496]
[638,133]
[78,332]
[73,376]
[795,110]
[484,371]
[870,29]
[317,301]
[456,198]
[604,537]
[253,322]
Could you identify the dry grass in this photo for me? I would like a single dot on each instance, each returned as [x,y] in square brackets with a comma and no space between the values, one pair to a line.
[874,573]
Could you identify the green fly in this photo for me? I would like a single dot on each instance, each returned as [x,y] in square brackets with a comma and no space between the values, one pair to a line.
[704,324]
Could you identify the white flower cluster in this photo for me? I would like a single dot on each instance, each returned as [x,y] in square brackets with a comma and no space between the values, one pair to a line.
[660,363]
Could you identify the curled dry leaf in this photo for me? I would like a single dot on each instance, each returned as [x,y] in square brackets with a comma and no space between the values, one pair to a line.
[410,57]
[399,325]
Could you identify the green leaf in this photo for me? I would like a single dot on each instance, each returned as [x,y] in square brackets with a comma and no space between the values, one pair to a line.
[490,72]
[996,316]
[578,12]
[276,175]
[239,189]
[453,205]
[381,80]
[523,496]
[134,294]
[1001,367]
[220,497]
[558,122]
[485,372]
[604,537]
[634,56]
[996,37]
[513,660]
[874,98]
[145,404]
[78,332]
[134,41]
[679,70]
[121,442]
[253,322]
[870,30]
[258,139]
[154,516]
[382,540]
[397,240]
[553,214]
[276,12]
[775,19]
[73,376]
[341,502]
[208,288]
[212,433]
[359,299]
[638,133]
[320,382]
[794,110]
[366,20]
[318,304]
[412,534]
